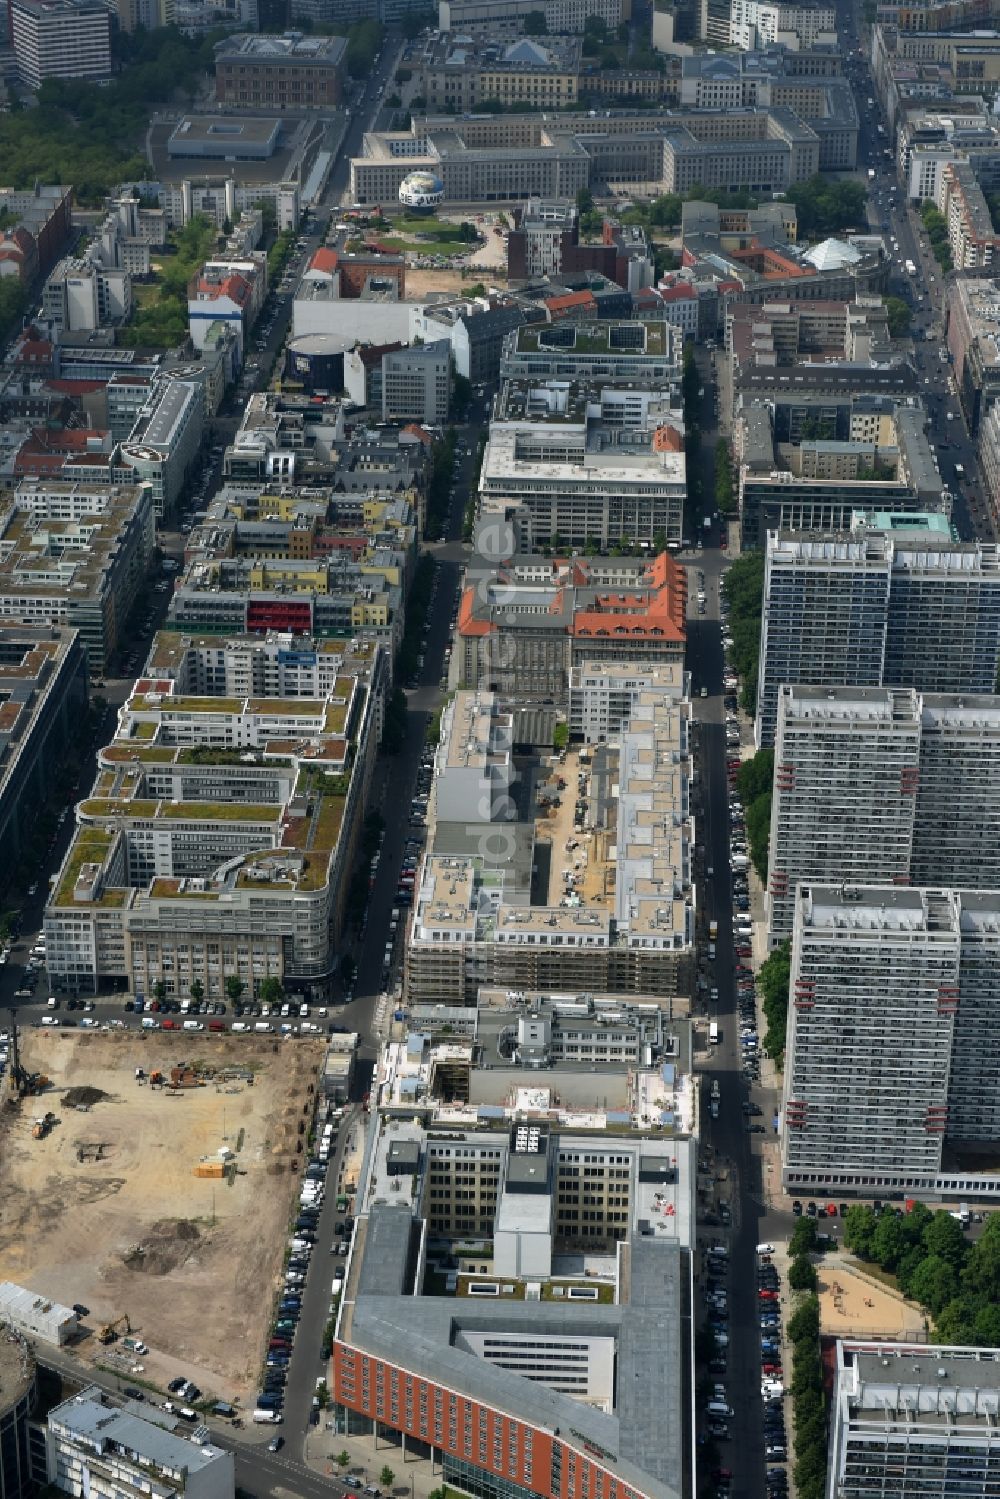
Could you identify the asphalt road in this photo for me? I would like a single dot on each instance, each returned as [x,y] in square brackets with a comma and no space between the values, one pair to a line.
[924,292]
[306,1366]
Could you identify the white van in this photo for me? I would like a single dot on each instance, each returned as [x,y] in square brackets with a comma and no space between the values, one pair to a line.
[719,1408]
[262,1028]
[239,1025]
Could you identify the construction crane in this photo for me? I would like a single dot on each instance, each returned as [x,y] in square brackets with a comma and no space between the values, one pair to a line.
[23,1083]
[111,1330]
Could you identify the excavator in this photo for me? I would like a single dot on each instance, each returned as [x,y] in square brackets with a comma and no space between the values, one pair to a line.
[111,1331]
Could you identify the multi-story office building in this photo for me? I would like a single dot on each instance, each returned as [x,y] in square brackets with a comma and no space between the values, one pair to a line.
[456,73]
[874,456]
[553,1396]
[473,922]
[908,1419]
[81,295]
[291,72]
[646,353]
[587,477]
[60,39]
[889,1084]
[972,333]
[44,687]
[765,23]
[416,384]
[164,441]
[514,156]
[221,828]
[896,608]
[562,17]
[96,1448]
[18,1399]
[78,555]
[882,785]
[525,629]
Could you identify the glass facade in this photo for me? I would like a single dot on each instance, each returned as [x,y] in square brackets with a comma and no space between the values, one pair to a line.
[478,1481]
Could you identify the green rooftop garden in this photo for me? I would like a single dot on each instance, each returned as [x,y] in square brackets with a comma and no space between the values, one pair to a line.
[220,811]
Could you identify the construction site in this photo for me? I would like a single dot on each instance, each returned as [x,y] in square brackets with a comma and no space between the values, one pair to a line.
[150,1178]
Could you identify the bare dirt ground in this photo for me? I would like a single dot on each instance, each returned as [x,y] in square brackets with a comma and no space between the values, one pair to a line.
[422,283]
[193,1262]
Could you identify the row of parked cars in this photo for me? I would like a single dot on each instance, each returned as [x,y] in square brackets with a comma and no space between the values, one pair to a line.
[269,1405]
[772,1389]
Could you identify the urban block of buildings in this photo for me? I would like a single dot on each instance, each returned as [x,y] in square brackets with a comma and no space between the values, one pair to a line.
[527,627]
[578,1385]
[897,606]
[270,72]
[507,158]
[76,555]
[223,821]
[225,291]
[38,227]
[879,458]
[475,919]
[888,1086]
[882,786]
[303,559]
[545,241]
[768,23]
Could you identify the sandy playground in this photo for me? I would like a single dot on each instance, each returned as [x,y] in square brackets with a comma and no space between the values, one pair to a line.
[106,1210]
[853,1304]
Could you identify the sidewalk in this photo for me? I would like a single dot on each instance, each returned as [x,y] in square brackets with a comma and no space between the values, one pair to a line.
[369,1455]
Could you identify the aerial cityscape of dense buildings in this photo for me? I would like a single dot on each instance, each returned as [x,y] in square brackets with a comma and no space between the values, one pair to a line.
[499,738]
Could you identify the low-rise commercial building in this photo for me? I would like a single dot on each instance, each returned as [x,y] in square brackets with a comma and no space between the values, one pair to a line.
[36,1316]
[94,1447]
[221,828]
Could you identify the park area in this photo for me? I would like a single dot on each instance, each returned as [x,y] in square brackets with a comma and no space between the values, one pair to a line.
[129,1206]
